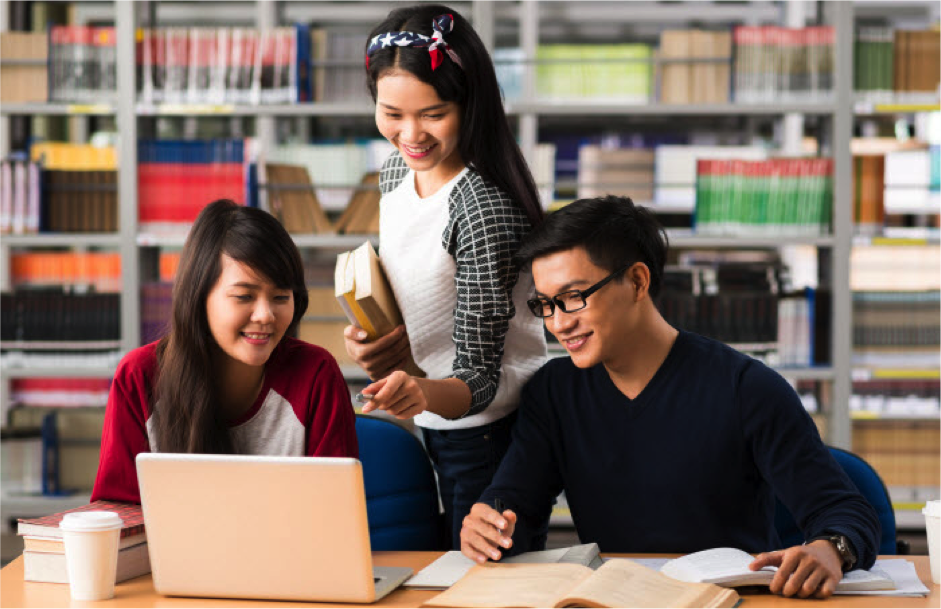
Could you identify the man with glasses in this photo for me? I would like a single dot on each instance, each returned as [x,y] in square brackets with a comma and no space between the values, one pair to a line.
[663,440]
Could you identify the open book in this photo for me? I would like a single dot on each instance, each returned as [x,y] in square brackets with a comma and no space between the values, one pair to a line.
[617,583]
[452,566]
[728,567]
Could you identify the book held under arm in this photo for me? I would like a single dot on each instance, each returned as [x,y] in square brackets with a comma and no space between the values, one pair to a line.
[362,289]
[728,567]
[617,583]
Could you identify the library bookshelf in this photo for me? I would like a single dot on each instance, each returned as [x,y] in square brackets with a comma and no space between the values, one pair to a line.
[527,22]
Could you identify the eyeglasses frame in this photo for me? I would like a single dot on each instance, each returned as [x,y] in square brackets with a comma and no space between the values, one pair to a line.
[555,302]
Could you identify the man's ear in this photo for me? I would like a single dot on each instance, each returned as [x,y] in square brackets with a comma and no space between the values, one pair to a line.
[639,276]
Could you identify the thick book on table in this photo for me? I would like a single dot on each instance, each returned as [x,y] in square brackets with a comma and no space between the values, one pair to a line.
[728,567]
[51,567]
[452,566]
[362,289]
[617,583]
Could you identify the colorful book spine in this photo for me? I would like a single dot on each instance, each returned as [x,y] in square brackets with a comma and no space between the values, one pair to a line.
[769,197]
[177,178]
[99,270]
[774,63]
[205,65]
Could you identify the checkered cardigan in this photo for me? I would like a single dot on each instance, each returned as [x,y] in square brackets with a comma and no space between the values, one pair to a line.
[483,234]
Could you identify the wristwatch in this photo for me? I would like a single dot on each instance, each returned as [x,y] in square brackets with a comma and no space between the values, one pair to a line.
[843,547]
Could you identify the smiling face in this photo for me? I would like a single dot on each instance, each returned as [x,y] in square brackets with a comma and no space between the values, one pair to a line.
[248,315]
[599,332]
[425,129]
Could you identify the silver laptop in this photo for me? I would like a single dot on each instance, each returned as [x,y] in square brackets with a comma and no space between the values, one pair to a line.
[284,528]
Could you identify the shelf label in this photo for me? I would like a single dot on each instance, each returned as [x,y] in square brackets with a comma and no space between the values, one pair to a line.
[889,108]
[89,109]
[905,373]
[187,109]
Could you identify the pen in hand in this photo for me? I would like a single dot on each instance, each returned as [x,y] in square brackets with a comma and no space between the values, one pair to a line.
[362,398]
[498,506]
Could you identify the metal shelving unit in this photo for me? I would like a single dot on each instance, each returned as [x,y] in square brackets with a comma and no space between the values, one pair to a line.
[530,18]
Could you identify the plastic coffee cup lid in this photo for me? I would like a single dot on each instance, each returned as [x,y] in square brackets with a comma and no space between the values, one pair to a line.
[932,508]
[91,521]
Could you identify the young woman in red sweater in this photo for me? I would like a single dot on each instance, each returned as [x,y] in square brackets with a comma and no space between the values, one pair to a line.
[226,378]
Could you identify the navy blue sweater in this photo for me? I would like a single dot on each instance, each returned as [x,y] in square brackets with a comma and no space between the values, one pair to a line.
[693,462]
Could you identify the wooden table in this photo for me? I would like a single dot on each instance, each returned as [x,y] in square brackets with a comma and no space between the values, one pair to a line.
[139,592]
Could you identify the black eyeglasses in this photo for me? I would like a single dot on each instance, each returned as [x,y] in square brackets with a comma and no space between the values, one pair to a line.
[569,301]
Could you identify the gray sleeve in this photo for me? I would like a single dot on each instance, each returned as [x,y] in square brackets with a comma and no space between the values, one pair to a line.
[483,235]
[392,173]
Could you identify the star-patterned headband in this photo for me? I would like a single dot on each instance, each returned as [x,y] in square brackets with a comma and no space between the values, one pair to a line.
[441,24]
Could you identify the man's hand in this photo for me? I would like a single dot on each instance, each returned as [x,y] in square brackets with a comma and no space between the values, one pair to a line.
[810,570]
[485,530]
[380,357]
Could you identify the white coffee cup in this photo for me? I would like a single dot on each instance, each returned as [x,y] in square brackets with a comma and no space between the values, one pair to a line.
[932,514]
[91,553]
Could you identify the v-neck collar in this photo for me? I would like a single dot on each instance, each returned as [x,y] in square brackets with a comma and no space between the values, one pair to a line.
[661,376]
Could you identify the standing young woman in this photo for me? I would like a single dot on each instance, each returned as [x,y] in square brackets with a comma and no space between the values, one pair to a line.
[225,379]
[457,198]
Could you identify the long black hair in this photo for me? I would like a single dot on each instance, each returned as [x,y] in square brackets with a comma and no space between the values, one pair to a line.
[486,141]
[185,400]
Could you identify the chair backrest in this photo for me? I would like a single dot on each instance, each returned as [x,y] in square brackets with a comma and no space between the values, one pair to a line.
[871,487]
[401,493]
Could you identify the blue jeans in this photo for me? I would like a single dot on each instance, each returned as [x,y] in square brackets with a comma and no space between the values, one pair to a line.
[466,460]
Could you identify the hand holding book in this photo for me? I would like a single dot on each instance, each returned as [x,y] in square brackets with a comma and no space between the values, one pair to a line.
[379,357]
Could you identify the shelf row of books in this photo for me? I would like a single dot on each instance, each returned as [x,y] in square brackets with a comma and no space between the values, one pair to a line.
[71,439]
[746,304]
[901,268]
[23,74]
[82,64]
[770,197]
[904,399]
[894,182]
[774,64]
[901,321]
[905,453]
[60,392]
[889,61]
[53,319]
[99,271]
[177,178]
[220,65]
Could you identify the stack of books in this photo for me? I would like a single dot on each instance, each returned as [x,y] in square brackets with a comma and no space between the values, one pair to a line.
[905,453]
[336,55]
[626,172]
[675,170]
[44,549]
[60,392]
[888,63]
[20,197]
[54,319]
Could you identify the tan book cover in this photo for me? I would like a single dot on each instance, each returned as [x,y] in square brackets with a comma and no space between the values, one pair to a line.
[617,583]
[362,289]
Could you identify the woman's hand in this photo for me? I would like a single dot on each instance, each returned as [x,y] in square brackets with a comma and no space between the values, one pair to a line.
[398,394]
[380,357]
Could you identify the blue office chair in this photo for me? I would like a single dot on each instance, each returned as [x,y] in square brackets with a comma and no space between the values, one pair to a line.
[871,487]
[401,492]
